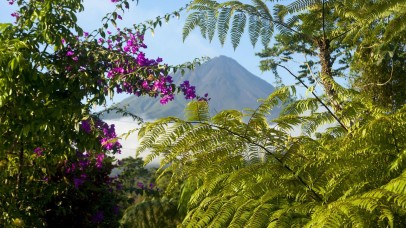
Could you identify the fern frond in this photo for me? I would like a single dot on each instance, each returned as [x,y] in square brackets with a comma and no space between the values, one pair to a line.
[243,213]
[223,23]
[237,29]
[288,122]
[226,213]
[317,120]
[197,111]
[300,5]
[266,31]
[254,26]
[260,216]
[301,106]
[191,22]
[211,23]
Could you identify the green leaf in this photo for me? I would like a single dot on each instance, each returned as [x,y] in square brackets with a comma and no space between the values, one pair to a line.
[223,23]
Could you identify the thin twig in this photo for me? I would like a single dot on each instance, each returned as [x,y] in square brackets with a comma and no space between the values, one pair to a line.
[318,99]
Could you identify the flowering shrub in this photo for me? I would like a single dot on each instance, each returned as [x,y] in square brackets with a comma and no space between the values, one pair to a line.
[131,71]
[55,157]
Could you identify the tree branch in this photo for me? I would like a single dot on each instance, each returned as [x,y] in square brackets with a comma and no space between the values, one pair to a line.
[315,195]
[318,99]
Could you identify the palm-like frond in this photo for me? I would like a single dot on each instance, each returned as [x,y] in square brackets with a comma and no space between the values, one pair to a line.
[254,174]
[211,16]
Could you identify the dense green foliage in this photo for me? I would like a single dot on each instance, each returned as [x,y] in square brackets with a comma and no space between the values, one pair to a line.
[237,169]
[256,174]
[347,167]
[325,34]
[55,155]
[142,197]
[41,108]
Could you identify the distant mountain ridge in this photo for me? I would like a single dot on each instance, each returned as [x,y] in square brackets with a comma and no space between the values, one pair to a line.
[229,85]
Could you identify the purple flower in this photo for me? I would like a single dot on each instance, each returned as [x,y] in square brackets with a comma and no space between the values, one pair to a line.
[205,97]
[99,160]
[75,58]
[70,169]
[83,164]
[70,53]
[16,15]
[116,210]
[78,181]
[86,34]
[145,85]
[86,126]
[165,99]
[188,90]
[39,151]
[98,217]
[140,185]
[119,186]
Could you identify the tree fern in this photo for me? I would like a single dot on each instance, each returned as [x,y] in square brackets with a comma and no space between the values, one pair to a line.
[211,16]
[251,173]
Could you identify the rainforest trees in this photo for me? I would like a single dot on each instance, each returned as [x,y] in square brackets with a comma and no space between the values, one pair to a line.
[240,169]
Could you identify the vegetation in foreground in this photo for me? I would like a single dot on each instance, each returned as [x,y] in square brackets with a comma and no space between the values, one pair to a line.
[233,169]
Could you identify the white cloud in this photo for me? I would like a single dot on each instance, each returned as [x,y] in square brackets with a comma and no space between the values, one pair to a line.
[130,144]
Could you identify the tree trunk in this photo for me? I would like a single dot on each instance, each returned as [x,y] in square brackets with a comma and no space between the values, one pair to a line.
[327,74]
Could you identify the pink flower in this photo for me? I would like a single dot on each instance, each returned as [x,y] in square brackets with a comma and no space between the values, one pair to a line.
[16,15]
[99,160]
[39,151]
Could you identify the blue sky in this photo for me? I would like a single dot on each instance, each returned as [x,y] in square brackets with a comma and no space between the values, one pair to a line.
[167,41]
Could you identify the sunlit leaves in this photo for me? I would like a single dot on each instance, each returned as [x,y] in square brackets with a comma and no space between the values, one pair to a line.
[264,176]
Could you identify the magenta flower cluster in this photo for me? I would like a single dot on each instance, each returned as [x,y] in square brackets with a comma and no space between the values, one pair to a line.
[188,90]
[107,134]
[131,71]
[39,151]
[108,139]
[78,169]
[153,82]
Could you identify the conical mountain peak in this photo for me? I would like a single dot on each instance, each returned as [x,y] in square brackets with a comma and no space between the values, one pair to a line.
[229,85]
